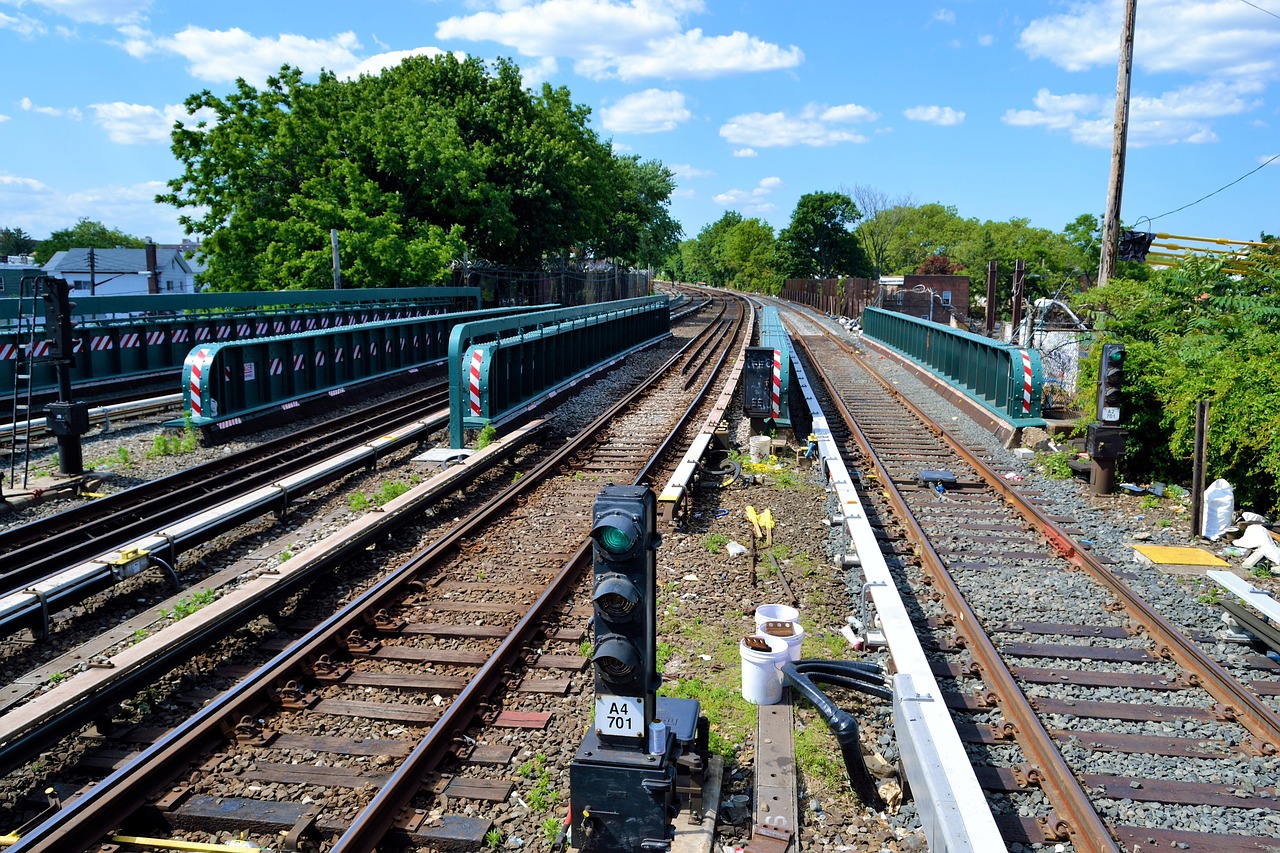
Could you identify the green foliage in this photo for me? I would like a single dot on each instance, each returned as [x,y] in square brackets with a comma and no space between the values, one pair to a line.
[186,606]
[820,241]
[406,165]
[1150,502]
[389,492]
[542,795]
[1191,333]
[15,241]
[1056,465]
[715,542]
[57,677]
[486,436]
[1262,570]
[175,445]
[493,838]
[358,502]
[85,234]
[551,829]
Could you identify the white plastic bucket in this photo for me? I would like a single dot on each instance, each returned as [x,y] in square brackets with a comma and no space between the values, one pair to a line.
[775,613]
[759,445]
[762,670]
[794,639]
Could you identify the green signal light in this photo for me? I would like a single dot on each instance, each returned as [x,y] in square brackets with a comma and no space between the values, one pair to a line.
[615,540]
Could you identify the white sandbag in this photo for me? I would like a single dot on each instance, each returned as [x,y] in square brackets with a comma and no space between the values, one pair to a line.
[1219,509]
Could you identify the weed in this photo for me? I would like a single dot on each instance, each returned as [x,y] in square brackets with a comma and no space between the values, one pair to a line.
[1057,465]
[286,555]
[665,651]
[480,575]
[390,491]
[57,677]
[176,445]
[785,478]
[1213,596]
[1262,570]
[551,828]
[1164,522]
[1150,502]
[515,478]
[715,542]
[139,635]
[186,606]
[585,648]
[358,502]
[493,838]
[486,436]
[1175,492]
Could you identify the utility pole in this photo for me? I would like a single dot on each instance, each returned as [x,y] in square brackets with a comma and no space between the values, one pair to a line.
[1115,187]
[337,265]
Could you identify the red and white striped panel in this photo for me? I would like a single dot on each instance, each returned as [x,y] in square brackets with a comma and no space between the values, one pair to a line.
[102,343]
[402,343]
[130,340]
[226,374]
[154,339]
[77,345]
[311,323]
[261,327]
[417,342]
[477,358]
[337,355]
[295,325]
[9,352]
[180,336]
[320,359]
[388,347]
[277,327]
[1026,382]
[40,349]
[202,334]
[199,363]
[242,330]
[357,352]
[277,366]
[299,362]
[776,406]
[223,333]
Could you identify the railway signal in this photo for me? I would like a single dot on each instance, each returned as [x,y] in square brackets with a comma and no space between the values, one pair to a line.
[1110,380]
[58,325]
[640,751]
[625,538]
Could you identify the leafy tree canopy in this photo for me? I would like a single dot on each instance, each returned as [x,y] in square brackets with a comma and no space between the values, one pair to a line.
[15,241]
[408,166]
[85,234]
[820,241]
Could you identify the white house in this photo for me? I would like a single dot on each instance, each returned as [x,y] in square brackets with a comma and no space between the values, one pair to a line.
[123,272]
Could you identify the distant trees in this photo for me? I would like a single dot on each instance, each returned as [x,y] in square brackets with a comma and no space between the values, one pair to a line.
[820,241]
[15,241]
[409,166]
[85,234]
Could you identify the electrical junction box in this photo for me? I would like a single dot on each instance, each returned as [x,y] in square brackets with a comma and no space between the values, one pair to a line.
[757,383]
[68,418]
[1105,442]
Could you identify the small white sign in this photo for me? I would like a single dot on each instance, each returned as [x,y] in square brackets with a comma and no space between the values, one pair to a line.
[250,372]
[1110,413]
[620,716]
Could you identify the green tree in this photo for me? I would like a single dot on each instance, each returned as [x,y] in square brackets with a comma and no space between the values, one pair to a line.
[881,218]
[927,229]
[15,241]
[749,250]
[820,241]
[406,166]
[85,234]
[706,256]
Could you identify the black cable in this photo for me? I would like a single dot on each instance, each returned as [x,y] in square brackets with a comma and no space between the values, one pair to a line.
[1260,9]
[1218,190]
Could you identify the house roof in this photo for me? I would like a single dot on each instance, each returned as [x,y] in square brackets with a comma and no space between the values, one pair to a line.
[111,261]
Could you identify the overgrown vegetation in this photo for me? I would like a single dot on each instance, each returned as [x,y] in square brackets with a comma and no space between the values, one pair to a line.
[486,436]
[175,445]
[186,606]
[1198,332]
[1057,465]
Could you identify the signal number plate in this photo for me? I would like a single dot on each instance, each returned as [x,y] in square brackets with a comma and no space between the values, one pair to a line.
[620,716]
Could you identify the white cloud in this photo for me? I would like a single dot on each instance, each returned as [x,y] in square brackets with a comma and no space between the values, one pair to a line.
[1181,115]
[136,124]
[221,56]
[628,39]
[986,40]
[650,111]
[13,183]
[534,74]
[933,114]
[754,200]
[1219,37]
[30,106]
[686,170]
[24,25]
[3,118]
[96,11]
[745,152]
[816,125]
[379,62]
[1265,159]
[40,209]
[943,16]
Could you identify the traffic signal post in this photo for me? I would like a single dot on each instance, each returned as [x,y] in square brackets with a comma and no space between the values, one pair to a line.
[66,419]
[640,749]
[1105,440]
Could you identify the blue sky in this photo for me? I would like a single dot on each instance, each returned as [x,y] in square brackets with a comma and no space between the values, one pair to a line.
[1000,108]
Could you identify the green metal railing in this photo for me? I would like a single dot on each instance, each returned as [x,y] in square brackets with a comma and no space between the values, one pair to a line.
[1004,378]
[501,367]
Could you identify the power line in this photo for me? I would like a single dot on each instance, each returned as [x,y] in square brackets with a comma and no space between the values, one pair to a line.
[1219,189]
[1260,9]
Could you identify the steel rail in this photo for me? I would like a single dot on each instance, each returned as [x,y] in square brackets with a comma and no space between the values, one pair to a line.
[1077,817]
[378,818]
[1238,701]
[101,808]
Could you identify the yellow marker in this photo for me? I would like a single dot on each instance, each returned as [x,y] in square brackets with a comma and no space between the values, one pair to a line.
[754,519]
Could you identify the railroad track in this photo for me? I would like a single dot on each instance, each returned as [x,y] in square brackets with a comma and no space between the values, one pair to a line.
[378,718]
[1090,718]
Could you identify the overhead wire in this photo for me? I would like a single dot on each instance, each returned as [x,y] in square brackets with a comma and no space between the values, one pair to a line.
[1215,192]
[1260,9]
